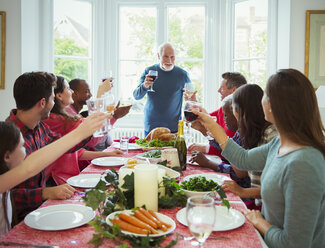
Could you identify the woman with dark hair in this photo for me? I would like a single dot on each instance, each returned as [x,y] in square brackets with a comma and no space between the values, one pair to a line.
[292,183]
[254,131]
[61,122]
[14,169]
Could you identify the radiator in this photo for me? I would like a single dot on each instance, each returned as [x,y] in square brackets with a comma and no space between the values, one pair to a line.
[116,133]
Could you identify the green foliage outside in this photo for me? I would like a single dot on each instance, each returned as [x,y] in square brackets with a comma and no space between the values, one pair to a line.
[70,68]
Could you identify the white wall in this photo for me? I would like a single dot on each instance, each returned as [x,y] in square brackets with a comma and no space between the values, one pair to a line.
[291,40]
[13,53]
[297,30]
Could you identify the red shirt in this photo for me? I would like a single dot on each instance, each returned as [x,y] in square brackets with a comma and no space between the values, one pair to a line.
[220,120]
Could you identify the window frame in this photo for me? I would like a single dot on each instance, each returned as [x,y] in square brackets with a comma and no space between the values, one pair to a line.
[218,42]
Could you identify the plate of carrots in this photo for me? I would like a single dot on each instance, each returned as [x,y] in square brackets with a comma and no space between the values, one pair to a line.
[142,222]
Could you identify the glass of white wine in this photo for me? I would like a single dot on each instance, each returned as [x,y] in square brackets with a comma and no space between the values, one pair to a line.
[110,106]
[200,215]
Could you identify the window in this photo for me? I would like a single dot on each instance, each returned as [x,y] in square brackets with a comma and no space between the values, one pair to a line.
[72,35]
[139,35]
[250,40]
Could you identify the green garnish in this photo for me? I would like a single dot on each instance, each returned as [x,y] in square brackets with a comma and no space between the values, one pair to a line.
[200,184]
[155,143]
[152,154]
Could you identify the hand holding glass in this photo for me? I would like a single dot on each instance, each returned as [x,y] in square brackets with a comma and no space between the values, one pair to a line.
[200,216]
[110,106]
[188,114]
[97,105]
[189,90]
[154,75]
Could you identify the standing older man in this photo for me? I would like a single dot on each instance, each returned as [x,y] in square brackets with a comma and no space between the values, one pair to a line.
[163,107]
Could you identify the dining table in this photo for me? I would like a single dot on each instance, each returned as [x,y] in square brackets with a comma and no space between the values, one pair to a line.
[243,236]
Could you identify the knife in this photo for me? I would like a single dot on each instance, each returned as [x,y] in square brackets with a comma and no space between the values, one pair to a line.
[26,245]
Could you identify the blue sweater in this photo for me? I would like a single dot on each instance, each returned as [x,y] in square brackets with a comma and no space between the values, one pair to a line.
[292,189]
[163,107]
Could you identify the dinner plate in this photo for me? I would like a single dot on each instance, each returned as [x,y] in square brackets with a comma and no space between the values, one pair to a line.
[213,158]
[84,180]
[162,217]
[59,217]
[215,177]
[108,161]
[131,146]
[225,219]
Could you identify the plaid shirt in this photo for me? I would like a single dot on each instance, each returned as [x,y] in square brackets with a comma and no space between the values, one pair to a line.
[27,196]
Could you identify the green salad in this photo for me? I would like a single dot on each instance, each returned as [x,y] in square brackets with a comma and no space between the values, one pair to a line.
[199,184]
[152,154]
[154,143]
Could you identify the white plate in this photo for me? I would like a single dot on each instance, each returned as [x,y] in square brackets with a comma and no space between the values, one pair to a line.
[215,177]
[162,217]
[85,180]
[225,220]
[59,217]
[131,146]
[213,158]
[108,161]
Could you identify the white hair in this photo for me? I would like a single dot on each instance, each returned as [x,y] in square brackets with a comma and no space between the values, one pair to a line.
[162,47]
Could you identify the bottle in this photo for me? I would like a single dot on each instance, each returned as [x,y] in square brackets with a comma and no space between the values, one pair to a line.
[181,146]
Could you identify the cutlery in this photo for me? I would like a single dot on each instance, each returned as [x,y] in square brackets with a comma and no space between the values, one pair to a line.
[210,237]
[27,245]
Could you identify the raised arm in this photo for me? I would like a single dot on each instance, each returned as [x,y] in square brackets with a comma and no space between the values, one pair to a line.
[142,87]
[38,160]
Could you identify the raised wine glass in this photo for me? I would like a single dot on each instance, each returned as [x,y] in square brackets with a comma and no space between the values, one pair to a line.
[154,75]
[110,106]
[189,91]
[189,115]
[200,216]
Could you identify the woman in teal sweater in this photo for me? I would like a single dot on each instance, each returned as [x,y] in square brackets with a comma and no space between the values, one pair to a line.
[292,183]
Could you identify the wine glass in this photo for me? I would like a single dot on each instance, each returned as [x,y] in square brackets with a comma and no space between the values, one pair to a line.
[200,216]
[189,91]
[154,75]
[189,115]
[110,106]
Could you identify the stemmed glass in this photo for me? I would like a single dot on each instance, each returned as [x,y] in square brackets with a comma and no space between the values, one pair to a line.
[110,106]
[189,115]
[189,90]
[154,75]
[200,216]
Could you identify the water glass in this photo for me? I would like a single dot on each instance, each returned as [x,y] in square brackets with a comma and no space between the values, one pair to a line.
[94,106]
[124,144]
[200,215]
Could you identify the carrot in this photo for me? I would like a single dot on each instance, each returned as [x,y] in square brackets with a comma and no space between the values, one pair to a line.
[154,215]
[129,227]
[136,222]
[151,217]
[142,217]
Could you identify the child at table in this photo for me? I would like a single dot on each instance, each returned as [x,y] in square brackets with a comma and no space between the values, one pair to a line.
[14,169]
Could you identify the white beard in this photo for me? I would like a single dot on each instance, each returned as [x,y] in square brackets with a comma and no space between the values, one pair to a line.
[164,69]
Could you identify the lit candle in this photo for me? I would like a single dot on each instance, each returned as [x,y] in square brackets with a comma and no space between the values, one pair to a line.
[146,186]
[121,174]
[161,174]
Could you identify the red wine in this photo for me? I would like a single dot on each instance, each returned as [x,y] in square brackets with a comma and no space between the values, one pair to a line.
[190,116]
[153,77]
